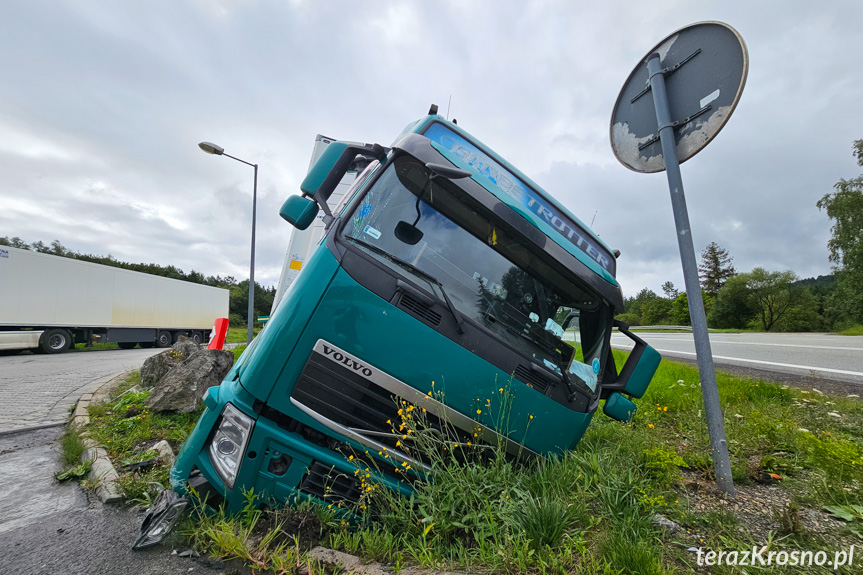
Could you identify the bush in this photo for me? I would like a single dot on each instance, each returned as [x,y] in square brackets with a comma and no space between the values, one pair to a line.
[629,318]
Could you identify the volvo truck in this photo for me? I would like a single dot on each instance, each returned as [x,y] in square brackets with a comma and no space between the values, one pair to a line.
[444,276]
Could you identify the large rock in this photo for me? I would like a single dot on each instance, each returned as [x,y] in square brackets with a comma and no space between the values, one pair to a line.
[182,388]
[157,366]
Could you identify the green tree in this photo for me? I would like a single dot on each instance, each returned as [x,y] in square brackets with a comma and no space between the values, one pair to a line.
[773,294]
[680,308]
[656,312]
[633,305]
[670,291]
[733,307]
[803,315]
[14,242]
[845,208]
[715,268]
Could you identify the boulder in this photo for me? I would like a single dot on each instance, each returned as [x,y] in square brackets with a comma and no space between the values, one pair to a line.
[157,366]
[183,387]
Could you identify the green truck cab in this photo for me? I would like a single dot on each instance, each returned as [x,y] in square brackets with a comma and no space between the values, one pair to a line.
[445,277]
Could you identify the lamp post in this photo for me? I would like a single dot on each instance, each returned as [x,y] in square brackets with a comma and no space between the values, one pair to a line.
[211,148]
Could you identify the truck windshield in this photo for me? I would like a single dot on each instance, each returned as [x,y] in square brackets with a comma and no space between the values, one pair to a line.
[486,269]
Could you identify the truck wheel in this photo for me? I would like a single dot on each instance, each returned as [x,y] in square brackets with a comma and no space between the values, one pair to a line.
[197,337]
[163,339]
[126,344]
[55,341]
[146,344]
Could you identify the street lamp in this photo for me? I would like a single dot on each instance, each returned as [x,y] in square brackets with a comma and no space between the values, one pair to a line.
[211,148]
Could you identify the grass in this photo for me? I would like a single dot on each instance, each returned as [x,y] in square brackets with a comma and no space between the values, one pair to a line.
[238,351]
[127,430]
[588,511]
[853,330]
[71,449]
[240,334]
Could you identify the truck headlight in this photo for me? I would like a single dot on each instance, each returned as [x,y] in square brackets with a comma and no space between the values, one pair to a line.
[229,443]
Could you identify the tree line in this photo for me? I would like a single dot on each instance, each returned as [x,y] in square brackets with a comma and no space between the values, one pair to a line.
[760,299]
[239,290]
[775,300]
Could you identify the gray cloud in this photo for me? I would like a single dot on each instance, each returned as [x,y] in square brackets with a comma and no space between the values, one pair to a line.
[102,105]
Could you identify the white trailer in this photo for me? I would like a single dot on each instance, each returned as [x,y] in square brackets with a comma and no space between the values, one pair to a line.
[50,303]
[303,242]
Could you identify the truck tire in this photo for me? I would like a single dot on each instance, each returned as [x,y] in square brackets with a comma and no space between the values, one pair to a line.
[126,344]
[197,337]
[147,344]
[55,341]
[163,339]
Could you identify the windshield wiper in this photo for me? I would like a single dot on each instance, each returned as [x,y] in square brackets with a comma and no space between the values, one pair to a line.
[410,267]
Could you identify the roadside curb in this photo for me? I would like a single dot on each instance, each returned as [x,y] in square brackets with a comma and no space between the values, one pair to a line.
[102,471]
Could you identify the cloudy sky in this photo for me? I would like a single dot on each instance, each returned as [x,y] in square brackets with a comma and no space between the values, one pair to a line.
[102,104]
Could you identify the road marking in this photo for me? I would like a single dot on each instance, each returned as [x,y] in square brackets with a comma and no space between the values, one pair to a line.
[774,363]
[718,342]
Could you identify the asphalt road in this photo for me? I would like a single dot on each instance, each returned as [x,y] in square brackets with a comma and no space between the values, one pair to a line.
[48,527]
[37,389]
[59,529]
[815,356]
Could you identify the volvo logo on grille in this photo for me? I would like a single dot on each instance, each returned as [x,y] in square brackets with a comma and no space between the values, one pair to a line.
[348,361]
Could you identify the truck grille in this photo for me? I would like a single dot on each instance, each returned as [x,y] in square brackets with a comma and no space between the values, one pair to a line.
[330,485]
[348,399]
[359,401]
[345,397]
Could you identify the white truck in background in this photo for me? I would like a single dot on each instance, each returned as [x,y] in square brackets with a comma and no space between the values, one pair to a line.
[50,303]
[303,242]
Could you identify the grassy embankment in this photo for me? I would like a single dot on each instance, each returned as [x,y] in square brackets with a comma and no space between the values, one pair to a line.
[853,330]
[239,334]
[589,511]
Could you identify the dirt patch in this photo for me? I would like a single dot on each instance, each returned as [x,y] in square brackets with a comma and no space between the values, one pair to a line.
[295,528]
[759,509]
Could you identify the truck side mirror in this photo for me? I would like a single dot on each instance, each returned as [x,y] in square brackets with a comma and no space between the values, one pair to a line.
[633,379]
[328,171]
[640,366]
[299,211]
[619,408]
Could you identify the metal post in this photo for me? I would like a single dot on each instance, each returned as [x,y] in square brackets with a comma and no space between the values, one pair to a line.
[252,267]
[709,390]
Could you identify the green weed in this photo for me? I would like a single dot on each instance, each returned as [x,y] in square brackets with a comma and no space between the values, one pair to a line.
[72,447]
